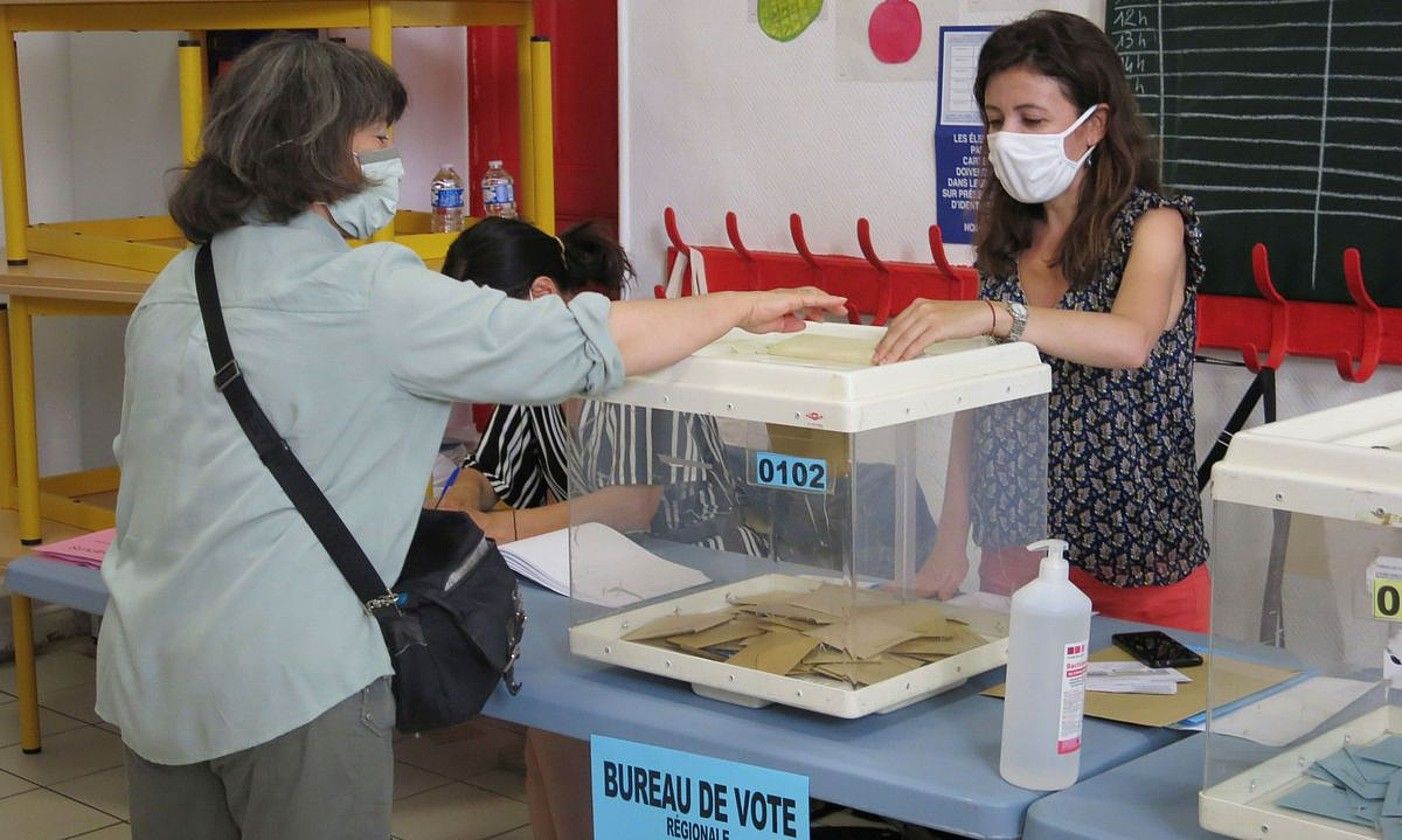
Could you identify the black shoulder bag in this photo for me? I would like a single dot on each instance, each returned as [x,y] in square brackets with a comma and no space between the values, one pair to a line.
[454,618]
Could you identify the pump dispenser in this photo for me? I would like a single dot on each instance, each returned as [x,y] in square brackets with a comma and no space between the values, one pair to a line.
[1048,640]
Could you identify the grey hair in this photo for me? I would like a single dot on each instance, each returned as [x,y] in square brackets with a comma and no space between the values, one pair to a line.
[278,135]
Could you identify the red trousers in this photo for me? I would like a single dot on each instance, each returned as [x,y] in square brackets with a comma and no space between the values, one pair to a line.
[1183,605]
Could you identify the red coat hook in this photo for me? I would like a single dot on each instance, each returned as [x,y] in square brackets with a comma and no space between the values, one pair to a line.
[937,251]
[1280,320]
[800,242]
[732,232]
[669,224]
[1372,319]
[964,288]
[883,274]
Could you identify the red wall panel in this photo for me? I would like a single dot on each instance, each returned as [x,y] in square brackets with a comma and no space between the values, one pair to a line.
[584,42]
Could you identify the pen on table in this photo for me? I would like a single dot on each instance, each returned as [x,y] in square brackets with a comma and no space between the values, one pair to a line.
[452,477]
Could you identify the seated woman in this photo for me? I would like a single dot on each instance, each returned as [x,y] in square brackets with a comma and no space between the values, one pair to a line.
[659,472]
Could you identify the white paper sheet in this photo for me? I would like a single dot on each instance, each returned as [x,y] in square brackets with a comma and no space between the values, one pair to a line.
[1132,685]
[619,571]
[1288,715]
[544,559]
[1135,669]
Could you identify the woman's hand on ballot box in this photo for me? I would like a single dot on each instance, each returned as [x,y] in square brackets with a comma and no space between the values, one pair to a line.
[652,334]
[925,322]
[943,571]
[785,310]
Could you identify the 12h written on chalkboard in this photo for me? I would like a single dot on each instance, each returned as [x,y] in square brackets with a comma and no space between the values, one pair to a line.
[1283,118]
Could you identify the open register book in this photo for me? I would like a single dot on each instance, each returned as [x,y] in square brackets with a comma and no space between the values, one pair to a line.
[621,573]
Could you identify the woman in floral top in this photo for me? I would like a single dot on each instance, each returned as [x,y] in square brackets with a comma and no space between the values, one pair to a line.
[1079,254]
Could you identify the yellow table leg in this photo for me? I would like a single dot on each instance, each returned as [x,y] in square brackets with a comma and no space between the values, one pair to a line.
[26,680]
[543,143]
[526,185]
[382,45]
[381,31]
[191,52]
[16,194]
[7,419]
[26,433]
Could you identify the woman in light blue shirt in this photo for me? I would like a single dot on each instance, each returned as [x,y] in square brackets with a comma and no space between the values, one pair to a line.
[249,684]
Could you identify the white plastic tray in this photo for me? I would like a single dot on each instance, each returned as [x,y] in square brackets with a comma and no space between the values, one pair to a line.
[601,640]
[1244,805]
[735,377]
[1343,462]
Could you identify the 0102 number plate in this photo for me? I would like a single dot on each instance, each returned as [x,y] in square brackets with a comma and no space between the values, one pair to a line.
[809,475]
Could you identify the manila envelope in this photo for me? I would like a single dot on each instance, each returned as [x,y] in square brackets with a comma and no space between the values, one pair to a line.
[677,625]
[872,672]
[825,348]
[827,656]
[837,600]
[864,638]
[797,613]
[923,617]
[769,622]
[776,652]
[1233,680]
[961,639]
[730,631]
[777,596]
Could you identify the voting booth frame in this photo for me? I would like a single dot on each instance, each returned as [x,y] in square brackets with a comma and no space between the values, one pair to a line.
[1307,573]
[148,243]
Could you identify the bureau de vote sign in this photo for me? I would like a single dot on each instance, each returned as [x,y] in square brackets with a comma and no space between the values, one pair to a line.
[642,792]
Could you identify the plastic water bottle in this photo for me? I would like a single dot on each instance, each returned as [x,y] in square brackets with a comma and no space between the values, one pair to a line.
[1048,640]
[498,191]
[446,200]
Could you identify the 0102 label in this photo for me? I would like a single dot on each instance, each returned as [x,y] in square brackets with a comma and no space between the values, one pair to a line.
[789,472]
[1387,599]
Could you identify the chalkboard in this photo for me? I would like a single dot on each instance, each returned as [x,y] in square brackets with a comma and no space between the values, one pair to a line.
[1283,118]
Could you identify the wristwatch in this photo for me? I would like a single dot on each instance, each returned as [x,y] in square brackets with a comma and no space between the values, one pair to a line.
[1018,313]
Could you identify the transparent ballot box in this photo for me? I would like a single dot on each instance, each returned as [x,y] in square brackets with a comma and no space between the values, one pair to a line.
[1307,580]
[752,519]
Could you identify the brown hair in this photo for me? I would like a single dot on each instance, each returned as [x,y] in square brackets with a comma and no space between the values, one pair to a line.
[1073,51]
[278,135]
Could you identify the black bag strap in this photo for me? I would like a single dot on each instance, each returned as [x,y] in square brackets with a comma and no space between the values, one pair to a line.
[278,457]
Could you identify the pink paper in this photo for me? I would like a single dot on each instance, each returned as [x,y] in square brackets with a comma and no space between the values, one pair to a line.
[85,550]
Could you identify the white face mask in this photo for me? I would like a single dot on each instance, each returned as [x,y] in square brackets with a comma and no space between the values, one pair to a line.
[372,208]
[1034,168]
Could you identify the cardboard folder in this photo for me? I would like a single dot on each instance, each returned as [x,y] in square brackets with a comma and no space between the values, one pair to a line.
[1233,679]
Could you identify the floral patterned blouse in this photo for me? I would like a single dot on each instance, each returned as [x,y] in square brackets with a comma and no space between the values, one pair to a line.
[1122,485]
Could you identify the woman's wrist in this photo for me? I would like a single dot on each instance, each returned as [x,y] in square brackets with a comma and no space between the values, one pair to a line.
[1002,321]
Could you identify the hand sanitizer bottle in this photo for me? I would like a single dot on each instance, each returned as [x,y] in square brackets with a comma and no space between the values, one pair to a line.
[1048,637]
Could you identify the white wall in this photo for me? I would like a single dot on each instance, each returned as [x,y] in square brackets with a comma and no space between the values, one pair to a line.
[62,345]
[716,116]
[101,118]
[433,63]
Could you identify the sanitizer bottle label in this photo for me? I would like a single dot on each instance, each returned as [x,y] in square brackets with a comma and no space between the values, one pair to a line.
[1073,697]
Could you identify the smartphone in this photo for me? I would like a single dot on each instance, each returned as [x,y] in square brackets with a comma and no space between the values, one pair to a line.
[1156,649]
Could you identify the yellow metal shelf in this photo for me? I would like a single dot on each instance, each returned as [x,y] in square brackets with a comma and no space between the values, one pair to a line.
[156,15]
[147,244]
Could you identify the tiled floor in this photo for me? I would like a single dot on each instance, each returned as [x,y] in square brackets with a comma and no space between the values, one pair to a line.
[466,784]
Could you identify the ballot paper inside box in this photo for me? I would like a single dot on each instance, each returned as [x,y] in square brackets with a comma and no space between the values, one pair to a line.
[762,460]
[862,651]
[1306,514]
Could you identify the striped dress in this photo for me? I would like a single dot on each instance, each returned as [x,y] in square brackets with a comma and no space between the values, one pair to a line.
[531,457]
